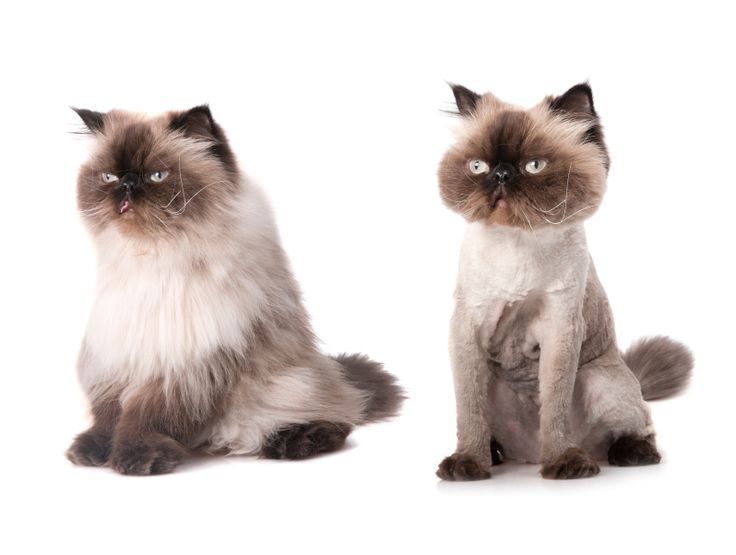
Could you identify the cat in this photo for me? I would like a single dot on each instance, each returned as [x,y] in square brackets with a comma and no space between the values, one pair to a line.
[198,340]
[538,375]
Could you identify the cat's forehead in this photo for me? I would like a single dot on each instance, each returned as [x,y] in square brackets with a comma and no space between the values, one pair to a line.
[500,125]
[130,140]
[509,128]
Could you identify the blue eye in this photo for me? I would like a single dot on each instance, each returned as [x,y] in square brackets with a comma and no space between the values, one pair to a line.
[478,167]
[535,166]
[159,176]
[108,177]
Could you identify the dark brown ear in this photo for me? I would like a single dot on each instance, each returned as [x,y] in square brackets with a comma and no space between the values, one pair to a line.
[465,99]
[95,121]
[578,100]
[197,122]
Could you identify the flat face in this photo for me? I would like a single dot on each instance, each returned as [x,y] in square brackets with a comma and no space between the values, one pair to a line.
[149,179]
[524,168]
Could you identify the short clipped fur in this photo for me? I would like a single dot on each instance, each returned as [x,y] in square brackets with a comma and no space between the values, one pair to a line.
[198,338]
[538,374]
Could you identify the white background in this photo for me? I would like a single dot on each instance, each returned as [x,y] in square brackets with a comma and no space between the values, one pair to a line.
[335,110]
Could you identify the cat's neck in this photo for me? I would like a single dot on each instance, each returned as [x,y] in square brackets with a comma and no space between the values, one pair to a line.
[508,262]
[542,240]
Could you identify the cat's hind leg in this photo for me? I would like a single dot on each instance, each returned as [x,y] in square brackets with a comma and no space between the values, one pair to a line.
[359,391]
[611,417]
[295,413]
[301,441]
[630,450]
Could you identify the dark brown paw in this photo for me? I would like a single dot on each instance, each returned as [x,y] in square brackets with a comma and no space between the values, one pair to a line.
[633,451]
[90,448]
[573,463]
[144,455]
[461,468]
[301,441]
[497,455]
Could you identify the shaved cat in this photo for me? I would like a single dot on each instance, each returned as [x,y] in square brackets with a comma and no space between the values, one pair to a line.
[538,375]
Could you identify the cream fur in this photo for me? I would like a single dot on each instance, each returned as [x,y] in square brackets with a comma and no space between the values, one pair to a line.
[164,305]
[501,267]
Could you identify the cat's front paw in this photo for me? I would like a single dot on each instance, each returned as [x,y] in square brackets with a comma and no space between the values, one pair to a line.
[90,448]
[573,463]
[459,467]
[145,455]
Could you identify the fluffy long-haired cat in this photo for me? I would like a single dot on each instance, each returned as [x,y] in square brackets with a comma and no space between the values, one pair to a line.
[198,339]
[538,374]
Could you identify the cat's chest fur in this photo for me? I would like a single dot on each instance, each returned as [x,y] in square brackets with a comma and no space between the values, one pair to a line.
[519,278]
[160,309]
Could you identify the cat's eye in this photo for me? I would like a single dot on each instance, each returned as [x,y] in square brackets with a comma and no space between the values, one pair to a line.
[108,177]
[158,177]
[478,167]
[535,166]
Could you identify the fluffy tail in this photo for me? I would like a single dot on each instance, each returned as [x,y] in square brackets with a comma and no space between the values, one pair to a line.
[384,394]
[662,366]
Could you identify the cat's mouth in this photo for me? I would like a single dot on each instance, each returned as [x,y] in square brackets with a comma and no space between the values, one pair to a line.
[126,205]
[497,198]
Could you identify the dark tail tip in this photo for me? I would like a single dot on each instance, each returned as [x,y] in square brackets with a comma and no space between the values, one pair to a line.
[662,366]
[385,396]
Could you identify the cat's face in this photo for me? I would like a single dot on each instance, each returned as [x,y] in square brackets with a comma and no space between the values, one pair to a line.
[154,176]
[525,168]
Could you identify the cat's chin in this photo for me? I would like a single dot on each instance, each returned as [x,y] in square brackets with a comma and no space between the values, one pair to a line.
[502,214]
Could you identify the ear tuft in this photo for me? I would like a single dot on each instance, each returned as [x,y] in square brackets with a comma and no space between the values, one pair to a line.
[578,100]
[465,99]
[95,121]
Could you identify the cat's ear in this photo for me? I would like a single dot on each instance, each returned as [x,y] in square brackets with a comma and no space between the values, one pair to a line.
[95,121]
[465,99]
[577,101]
[197,122]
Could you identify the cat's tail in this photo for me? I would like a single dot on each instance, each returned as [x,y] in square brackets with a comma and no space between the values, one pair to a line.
[384,394]
[662,366]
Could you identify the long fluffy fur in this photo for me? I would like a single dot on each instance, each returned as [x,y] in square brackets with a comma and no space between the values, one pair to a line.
[662,366]
[384,396]
[198,337]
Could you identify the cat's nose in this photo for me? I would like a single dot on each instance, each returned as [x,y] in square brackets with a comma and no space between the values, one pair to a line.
[503,173]
[129,182]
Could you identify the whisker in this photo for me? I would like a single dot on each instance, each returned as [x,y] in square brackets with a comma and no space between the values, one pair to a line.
[172,200]
[555,208]
[571,215]
[562,203]
[528,221]
[181,184]
[168,230]
[184,206]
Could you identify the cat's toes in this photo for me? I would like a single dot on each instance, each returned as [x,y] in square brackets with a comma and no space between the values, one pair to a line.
[300,441]
[633,451]
[459,467]
[573,463]
[90,448]
[142,456]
